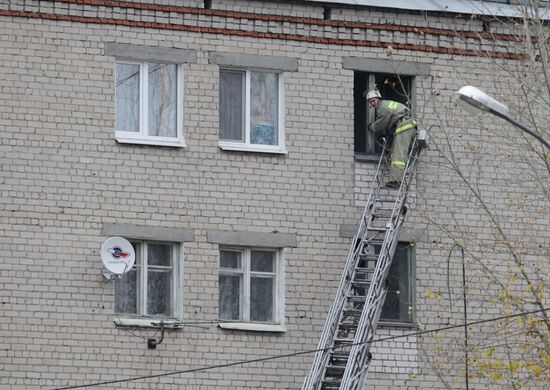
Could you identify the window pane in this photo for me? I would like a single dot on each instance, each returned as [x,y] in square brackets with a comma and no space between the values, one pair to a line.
[126,293]
[230,259]
[232,106]
[163,81]
[261,299]
[264,108]
[127,97]
[229,297]
[159,254]
[159,287]
[398,297]
[262,261]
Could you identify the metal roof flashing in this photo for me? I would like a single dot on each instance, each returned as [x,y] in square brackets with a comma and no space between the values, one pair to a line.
[493,8]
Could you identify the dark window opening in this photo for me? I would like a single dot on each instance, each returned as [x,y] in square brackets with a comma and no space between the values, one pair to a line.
[399,303]
[391,87]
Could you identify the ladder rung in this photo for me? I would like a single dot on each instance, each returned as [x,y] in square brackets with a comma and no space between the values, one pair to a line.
[335,369]
[351,312]
[348,325]
[364,270]
[377,228]
[361,283]
[343,341]
[368,256]
[339,355]
[357,298]
[330,385]
[375,241]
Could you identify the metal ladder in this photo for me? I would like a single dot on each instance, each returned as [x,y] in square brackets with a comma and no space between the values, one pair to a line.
[343,354]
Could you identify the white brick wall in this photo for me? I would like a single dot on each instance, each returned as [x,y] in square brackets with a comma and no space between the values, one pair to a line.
[63,176]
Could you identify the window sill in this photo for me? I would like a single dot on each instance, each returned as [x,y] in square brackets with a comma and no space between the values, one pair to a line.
[399,325]
[249,326]
[370,158]
[238,147]
[157,141]
[169,323]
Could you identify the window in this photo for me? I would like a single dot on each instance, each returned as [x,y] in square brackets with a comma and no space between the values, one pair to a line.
[151,288]
[251,111]
[399,304]
[249,285]
[392,87]
[149,107]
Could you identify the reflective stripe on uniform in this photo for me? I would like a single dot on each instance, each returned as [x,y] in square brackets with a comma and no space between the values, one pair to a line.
[392,105]
[399,163]
[408,126]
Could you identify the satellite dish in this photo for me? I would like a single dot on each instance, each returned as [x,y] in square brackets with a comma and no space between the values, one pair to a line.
[118,255]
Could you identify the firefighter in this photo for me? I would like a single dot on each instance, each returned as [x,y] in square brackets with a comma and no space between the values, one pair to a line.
[393,120]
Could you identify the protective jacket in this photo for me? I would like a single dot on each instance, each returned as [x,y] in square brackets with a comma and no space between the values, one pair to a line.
[388,114]
[393,121]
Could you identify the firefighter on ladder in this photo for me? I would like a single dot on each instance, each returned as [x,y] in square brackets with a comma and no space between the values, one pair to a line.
[393,120]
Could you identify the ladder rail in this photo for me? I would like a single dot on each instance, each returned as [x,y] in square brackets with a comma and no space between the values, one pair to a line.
[358,363]
[343,355]
[313,380]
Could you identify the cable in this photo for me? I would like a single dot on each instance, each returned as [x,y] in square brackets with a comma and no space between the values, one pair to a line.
[301,352]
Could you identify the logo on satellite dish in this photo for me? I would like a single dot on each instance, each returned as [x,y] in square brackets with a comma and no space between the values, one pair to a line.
[118,253]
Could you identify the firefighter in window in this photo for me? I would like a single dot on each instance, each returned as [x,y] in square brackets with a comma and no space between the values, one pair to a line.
[393,121]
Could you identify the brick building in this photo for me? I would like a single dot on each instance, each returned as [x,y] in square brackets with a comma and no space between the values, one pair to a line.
[226,140]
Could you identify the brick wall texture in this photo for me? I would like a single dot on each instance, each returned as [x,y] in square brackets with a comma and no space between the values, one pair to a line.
[63,176]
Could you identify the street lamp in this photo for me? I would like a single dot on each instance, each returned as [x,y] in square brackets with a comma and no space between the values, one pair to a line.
[474,100]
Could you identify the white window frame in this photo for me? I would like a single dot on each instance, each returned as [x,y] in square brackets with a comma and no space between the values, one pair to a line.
[140,319]
[278,325]
[141,137]
[246,145]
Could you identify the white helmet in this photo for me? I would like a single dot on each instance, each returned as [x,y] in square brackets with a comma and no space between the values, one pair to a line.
[373,94]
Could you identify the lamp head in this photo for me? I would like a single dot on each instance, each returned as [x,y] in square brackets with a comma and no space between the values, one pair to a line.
[474,100]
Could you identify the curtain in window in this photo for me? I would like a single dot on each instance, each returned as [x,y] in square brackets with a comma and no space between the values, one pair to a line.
[159,279]
[162,100]
[230,286]
[127,97]
[232,105]
[264,108]
[229,297]
[262,288]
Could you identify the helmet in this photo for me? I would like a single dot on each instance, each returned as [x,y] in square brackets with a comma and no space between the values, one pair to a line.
[373,94]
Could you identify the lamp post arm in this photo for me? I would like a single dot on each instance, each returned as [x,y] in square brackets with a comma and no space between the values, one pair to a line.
[520,126]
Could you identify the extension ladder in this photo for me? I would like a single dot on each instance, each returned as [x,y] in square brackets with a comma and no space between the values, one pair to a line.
[343,354]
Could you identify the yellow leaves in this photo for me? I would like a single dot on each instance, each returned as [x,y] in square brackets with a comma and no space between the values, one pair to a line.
[488,352]
[535,369]
[496,376]
[511,366]
[429,294]
[504,294]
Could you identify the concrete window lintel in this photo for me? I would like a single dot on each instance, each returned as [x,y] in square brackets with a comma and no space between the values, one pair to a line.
[371,65]
[273,240]
[146,232]
[166,55]
[250,61]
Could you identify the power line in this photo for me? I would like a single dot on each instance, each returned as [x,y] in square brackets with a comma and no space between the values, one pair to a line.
[238,363]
